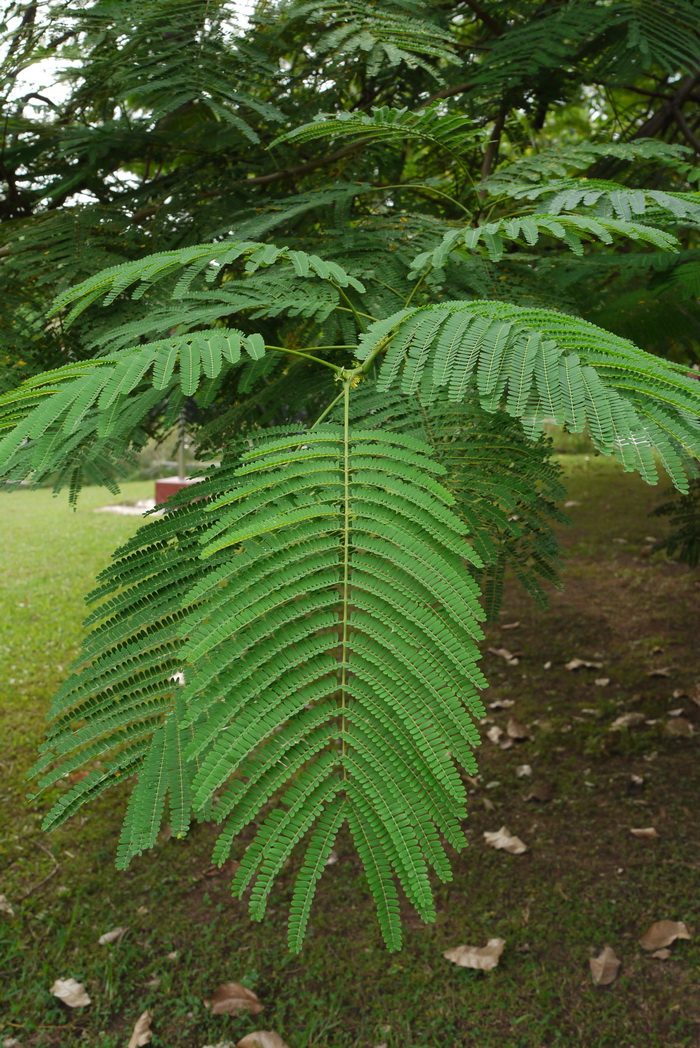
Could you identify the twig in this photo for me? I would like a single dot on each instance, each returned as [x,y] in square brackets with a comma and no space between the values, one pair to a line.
[42,882]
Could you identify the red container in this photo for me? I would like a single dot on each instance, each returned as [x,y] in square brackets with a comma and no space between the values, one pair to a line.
[169,485]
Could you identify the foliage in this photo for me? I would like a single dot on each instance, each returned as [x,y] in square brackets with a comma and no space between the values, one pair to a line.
[368,337]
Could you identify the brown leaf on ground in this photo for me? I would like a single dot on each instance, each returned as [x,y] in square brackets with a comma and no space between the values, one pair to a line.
[484,958]
[71,992]
[517,730]
[262,1039]
[646,833]
[661,955]
[232,998]
[523,771]
[116,935]
[501,704]
[579,664]
[542,792]
[503,840]
[679,726]
[499,738]
[503,653]
[509,625]
[605,967]
[6,906]
[141,1033]
[663,933]
[602,682]
[662,671]
[627,720]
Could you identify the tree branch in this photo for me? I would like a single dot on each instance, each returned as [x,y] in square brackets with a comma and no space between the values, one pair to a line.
[484,17]
[688,133]
[303,169]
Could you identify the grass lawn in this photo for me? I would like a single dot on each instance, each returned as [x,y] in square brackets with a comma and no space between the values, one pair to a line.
[585,881]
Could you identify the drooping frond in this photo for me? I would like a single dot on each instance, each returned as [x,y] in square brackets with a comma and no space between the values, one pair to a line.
[607,199]
[327,644]
[392,33]
[540,365]
[108,397]
[571,229]
[450,132]
[191,262]
[563,161]
[664,34]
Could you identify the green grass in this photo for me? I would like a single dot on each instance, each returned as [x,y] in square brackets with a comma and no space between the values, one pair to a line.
[584,883]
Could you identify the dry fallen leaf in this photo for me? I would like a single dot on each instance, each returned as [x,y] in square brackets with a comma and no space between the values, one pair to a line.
[332,857]
[627,720]
[661,955]
[523,771]
[71,993]
[664,671]
[6,906]
[647,833]
[508,656]
[517,730]
[499,738]
[663,933]
[578,664]
[602,682]
[482,957]
[509,625]
[679,726]
[505,841]
[543,793]
[501,704]
[232,998]
[142,1031]
[604,967]
[116,935]
[262,1039]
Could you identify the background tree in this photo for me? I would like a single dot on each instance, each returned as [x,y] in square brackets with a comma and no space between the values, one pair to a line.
[387,302]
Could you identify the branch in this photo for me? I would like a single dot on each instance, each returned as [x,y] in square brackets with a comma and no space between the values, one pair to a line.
[663,116]
[484,17]
[492,148]
[303,169]
[688,133]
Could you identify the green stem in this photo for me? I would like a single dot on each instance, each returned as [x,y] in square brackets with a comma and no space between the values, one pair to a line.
[307,356]
[328,410]
[346,564]
[356,313]
[429,189]
[414,289]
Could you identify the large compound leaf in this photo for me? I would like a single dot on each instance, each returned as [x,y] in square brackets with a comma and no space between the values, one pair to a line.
[539,365]
[328,647]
